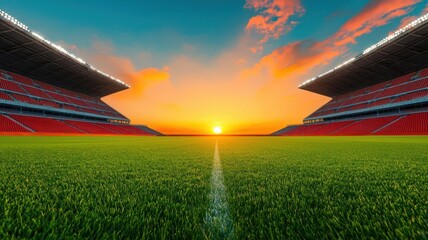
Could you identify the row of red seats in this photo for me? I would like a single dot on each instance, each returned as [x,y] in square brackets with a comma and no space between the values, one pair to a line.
[424,73]
[36,92]
[52,93]
[366,126]
[410,96]
[404,88]
[400,80]
[106,128]
[89,127]
[19,78]
[400,98]
[68,96]
[330,128]
[411,124]
[377,87]
[11,86]
[5,96]
[46,125]
[50,125]
[304,130]
[44,102]
[134,130]
[8,125]
[123,129]
[372,89]
[364,101]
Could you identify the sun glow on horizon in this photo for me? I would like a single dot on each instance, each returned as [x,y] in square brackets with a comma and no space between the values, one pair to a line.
[217,130]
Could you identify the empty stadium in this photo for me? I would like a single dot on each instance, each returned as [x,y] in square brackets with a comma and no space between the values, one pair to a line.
[45,89]
[213,80]
[382,91]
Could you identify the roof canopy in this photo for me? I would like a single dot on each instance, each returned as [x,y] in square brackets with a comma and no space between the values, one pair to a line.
[29,54]
[404,52]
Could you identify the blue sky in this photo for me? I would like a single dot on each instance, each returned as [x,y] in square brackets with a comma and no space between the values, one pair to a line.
[165,27]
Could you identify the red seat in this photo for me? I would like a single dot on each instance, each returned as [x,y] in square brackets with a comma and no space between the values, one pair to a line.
[11,86]
[7,125]
[413,124]
[45,125]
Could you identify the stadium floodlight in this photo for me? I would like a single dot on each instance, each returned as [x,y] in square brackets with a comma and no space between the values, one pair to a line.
[331,70]
[13,20]
[57,47]
[382,42]
[397,33]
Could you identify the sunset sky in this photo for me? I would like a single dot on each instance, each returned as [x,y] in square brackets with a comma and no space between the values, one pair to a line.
[196,64]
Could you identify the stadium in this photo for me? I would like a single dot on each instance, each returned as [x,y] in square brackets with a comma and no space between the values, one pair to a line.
[45,89]
[72,166]
[382,91]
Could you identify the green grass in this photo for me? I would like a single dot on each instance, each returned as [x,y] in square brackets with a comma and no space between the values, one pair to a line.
[158,187]
[103,187]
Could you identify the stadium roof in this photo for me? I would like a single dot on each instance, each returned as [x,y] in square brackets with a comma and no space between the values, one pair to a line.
[401,53]
[28,53]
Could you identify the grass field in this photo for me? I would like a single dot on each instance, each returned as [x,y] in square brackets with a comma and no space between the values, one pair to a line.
[159,187]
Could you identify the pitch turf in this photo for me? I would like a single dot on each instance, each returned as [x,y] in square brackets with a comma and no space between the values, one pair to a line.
[159,187]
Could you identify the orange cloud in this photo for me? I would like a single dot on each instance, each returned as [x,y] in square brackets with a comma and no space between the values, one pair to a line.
[301,57]
[297,58]
[273,19]
[406,20]
[144,78]
[374,14]
[121,67]
[278,73]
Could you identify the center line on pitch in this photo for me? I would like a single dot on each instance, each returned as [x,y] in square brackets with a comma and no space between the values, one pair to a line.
[217,218]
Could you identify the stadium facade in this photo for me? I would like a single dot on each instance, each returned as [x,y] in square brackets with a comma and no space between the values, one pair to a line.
[382,91]
[46,89]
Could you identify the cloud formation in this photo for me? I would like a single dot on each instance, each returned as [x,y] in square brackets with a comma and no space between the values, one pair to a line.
[406,20]
[376,13]
[273,18]
[278,73]
[301,57]
[103,55]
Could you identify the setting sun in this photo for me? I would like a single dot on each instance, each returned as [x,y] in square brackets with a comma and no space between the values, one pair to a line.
[217,130]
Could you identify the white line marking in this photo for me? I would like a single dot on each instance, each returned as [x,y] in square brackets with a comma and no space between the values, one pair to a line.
[217,218]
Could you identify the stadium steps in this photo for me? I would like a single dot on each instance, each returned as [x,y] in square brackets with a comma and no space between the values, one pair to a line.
[149,130]
[25,90]
[107,129]
[19,123]
[385,126]
[44,125]
[70,125]
[309,130]
[284,130]
[6,96]
[11,96]
[347,125]
[412,124]
[366,126]
[89,127]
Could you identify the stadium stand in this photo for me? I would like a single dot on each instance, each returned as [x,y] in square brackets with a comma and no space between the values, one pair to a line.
[413,124]
[409,124]
[25,123]
[45,125]
[383,94]
[8,125]
[383,91]
[46,89]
